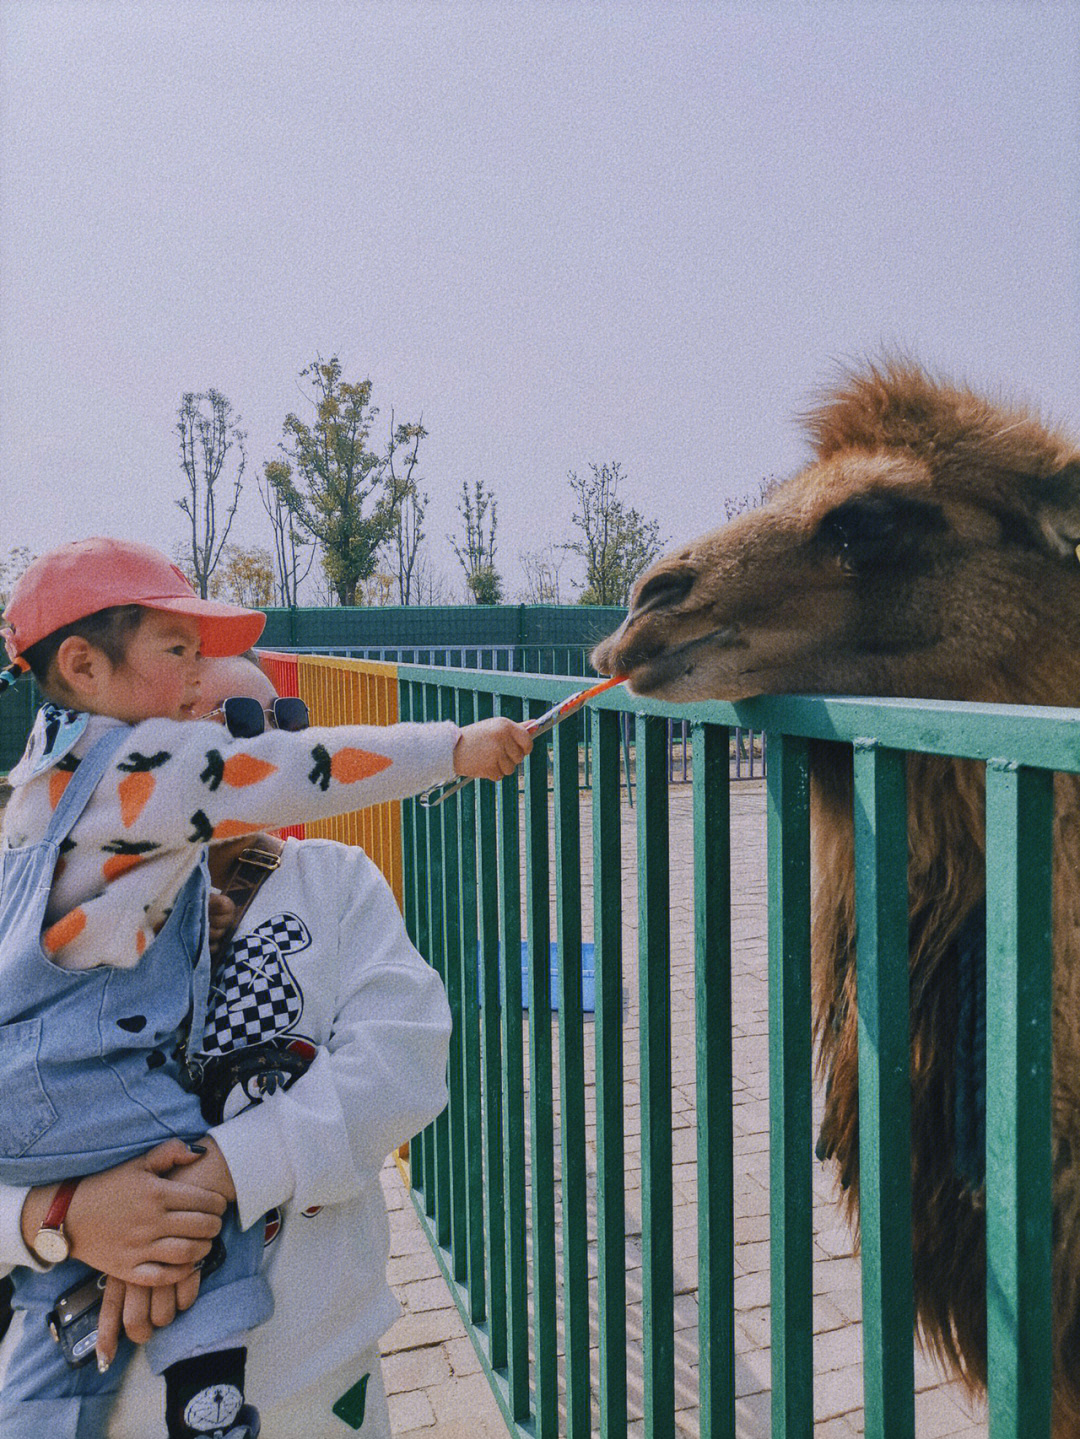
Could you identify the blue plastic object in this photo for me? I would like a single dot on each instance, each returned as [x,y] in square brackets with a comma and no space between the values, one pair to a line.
[588,977]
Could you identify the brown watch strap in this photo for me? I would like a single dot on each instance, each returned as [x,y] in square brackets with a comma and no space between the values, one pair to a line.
[57,1210]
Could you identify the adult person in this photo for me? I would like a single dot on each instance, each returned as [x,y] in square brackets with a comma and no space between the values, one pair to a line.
[319,972]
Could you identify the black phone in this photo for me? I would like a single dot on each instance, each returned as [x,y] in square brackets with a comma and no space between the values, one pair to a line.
[74,1321]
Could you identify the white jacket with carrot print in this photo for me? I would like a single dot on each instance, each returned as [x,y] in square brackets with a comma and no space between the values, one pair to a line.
[173,787]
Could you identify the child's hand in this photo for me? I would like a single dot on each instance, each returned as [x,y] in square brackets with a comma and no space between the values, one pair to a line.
[222,917]
[491,748]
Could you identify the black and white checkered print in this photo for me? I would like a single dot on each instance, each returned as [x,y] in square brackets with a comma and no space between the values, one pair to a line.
[254,995]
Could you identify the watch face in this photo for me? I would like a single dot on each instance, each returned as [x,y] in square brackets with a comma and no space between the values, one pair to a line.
[51,1245]
[213,1407]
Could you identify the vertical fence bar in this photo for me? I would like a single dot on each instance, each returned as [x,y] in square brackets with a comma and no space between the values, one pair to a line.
[450,813]
[416,926]
[788,791]
[469,957]
[541,1118]
[438,1199]
[575,1214]
[491,1039]
[654,968]
[513,1073]
[881,908]
[1019,963]
[712,997]
[607,1036]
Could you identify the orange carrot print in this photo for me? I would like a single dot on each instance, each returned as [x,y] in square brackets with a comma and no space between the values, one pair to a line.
[230,828]
[350,765]
[135,790]
[58,783]
[236,771]
[63,931]
[346,766]
[119,864]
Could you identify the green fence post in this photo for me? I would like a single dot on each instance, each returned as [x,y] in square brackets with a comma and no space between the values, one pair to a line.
[469,961]
[513,1072]
[881,909]
[541,1118]
[488,880]
[1019,967]
[790,1201]
[712,997]
[438,1196]
[654,969]
[608,1038]
[575,1215]
[449,813]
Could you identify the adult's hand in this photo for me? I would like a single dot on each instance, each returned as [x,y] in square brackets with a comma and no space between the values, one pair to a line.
[135,1222]
[139,1311]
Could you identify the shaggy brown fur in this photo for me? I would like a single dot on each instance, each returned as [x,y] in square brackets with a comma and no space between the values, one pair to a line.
[929,551]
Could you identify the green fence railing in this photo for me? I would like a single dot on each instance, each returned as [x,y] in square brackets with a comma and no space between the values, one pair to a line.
[499,1179]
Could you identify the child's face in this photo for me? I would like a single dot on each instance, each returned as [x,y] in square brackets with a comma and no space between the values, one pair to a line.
[160,675]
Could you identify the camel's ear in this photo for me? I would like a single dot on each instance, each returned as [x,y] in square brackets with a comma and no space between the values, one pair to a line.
[1056,509]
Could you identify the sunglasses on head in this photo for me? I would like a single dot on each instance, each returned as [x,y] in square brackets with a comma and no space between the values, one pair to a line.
[245,718]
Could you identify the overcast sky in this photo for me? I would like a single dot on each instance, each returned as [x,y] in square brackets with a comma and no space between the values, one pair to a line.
[563,234]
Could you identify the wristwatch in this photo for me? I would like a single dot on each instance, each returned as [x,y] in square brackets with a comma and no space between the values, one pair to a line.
[51,1242]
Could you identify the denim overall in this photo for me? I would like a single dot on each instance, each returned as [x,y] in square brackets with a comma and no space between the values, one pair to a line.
[91,1078]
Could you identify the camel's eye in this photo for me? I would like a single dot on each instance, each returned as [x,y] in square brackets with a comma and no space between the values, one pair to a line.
[872,530]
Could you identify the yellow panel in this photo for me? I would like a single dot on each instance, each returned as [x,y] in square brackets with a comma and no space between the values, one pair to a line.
[340,691]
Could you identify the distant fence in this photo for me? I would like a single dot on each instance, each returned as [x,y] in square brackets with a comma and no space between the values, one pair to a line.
[398,627]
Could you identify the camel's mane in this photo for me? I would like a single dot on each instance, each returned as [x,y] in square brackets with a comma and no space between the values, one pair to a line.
[894,404]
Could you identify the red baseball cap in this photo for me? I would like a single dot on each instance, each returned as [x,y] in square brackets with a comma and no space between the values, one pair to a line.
[90,575]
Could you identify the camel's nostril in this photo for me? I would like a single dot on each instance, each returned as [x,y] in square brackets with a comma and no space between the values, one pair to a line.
[668,588]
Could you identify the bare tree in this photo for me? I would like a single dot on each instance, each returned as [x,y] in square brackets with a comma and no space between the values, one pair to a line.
[12,566]
[741,504]
[476,554]
[543,569]
[410,507]
[208,432]
[291,563]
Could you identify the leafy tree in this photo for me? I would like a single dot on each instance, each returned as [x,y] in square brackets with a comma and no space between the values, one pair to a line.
[615,540]
[476,553]
[407,531]
[208,432]
[291,563]
[342,494]
[244,577]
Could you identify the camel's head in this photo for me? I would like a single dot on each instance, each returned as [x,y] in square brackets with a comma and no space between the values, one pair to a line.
[930,550]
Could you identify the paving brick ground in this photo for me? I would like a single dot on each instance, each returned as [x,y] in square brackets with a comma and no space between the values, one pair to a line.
[434,1381]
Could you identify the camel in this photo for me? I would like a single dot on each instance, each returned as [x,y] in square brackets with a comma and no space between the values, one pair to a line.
[928,551]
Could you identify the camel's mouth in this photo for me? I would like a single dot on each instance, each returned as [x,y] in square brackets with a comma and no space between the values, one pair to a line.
[671,672]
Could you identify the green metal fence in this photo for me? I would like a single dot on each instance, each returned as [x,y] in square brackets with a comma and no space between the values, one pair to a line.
[480,874]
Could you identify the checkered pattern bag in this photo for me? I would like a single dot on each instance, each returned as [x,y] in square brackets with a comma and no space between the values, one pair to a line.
[254,995]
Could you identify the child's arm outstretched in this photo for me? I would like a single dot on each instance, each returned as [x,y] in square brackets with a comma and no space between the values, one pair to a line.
[173,787]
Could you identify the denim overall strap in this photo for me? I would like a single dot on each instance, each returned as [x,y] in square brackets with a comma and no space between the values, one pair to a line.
[81,785]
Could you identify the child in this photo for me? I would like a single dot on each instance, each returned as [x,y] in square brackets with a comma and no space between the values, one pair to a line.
[103,840]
